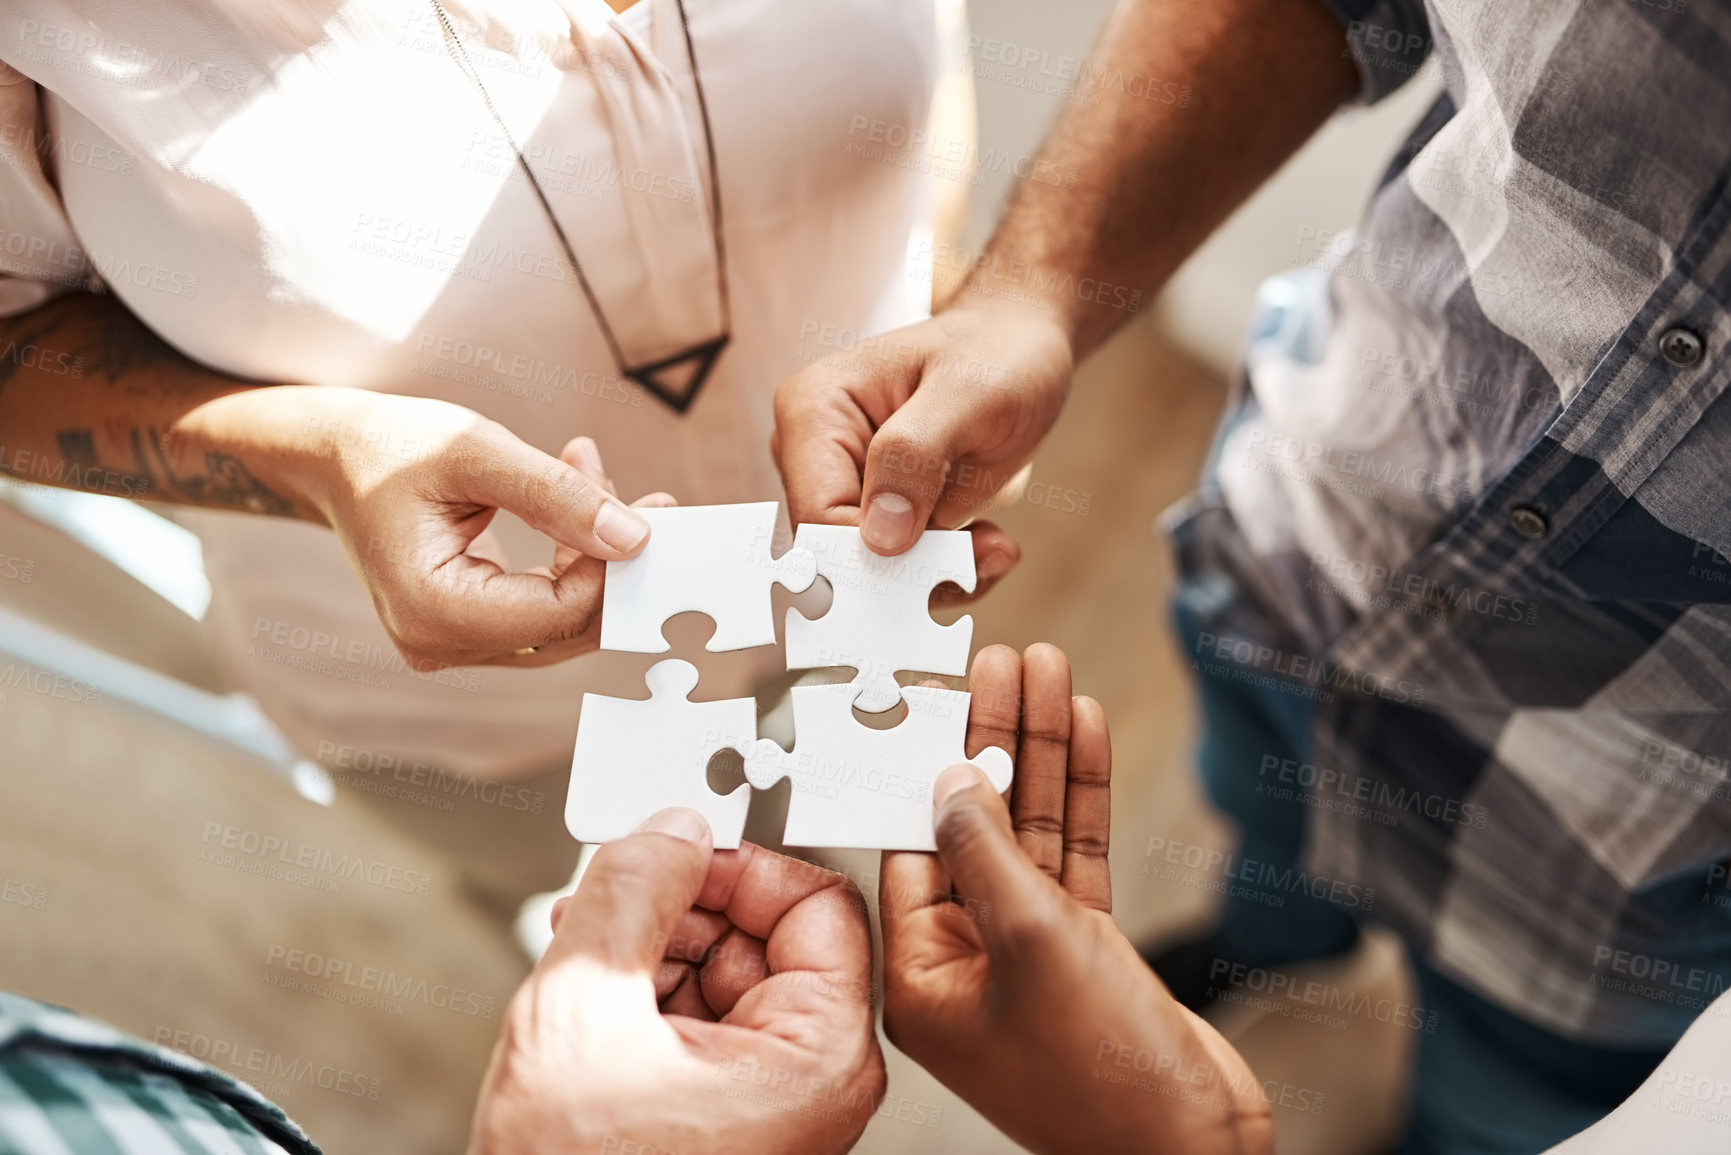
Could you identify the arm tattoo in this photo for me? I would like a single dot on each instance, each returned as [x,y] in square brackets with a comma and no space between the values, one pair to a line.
[77,446]
[24,342]
[226,482]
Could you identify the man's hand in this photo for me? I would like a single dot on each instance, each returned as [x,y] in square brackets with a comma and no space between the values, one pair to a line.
[692,1001]
[924,425]
[925,428]
[1004,975]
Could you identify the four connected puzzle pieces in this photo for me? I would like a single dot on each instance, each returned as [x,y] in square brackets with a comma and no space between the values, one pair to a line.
[853,785]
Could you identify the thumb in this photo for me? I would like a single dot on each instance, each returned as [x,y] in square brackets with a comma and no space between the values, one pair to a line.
[555,498]
[979,850]
[635,892]
[905,471]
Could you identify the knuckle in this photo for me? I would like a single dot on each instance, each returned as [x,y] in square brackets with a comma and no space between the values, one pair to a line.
[554,484]
[907,457]
[1051,736]
[1049,825]
[1093,845]
[965,826]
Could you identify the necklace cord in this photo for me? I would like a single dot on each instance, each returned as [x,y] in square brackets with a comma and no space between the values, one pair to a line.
[710,347]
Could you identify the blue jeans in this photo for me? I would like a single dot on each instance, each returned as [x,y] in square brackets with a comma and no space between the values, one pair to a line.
[1487,1081]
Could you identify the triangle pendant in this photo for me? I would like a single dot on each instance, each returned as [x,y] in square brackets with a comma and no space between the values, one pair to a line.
[676,380]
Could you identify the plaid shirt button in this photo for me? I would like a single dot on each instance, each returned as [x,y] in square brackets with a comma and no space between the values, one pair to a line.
[1529,522]
[1681,347]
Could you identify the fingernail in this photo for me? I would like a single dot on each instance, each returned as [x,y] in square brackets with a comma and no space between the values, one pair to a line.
[952,782]
[889,522]
[995,566]
[678,821]
[619,527]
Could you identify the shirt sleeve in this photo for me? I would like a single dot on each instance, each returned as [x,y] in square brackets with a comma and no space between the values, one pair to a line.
[1389,41]
[40,257]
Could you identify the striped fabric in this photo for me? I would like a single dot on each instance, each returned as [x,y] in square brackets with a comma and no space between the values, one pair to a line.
[73,1086]
[1475,503]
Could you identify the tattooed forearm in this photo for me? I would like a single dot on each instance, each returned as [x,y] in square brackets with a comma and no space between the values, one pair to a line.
[225,482]
[77,446]
[32,343]
[130,426]
[124,346]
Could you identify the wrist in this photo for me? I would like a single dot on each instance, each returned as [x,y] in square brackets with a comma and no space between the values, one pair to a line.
[287,440]
[1083,306]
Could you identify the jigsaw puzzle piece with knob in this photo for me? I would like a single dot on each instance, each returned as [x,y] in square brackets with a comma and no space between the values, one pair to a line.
[712,559]
[859,787]
[635,757]
[879,620]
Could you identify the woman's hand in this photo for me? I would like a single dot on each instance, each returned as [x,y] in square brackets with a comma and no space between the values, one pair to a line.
[1004,975]
[409,485]
[692,1001]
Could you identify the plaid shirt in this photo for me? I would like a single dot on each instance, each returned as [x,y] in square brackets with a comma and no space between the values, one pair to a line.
[73,1086]
[1476,503]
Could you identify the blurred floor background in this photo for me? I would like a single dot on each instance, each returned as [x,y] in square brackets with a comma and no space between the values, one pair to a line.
[139,843]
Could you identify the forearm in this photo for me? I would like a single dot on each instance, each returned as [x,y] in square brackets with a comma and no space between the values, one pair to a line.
[90,399]
[1132,186]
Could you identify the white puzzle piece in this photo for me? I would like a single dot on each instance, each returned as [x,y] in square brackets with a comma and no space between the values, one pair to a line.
[710,558]
[636,757]
[879,621]
[854,786]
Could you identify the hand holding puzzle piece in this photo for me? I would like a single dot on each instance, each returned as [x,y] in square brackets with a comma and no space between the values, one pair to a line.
[853,786]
